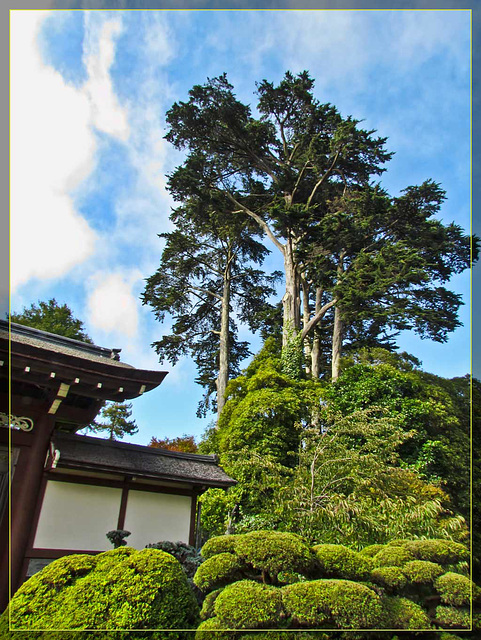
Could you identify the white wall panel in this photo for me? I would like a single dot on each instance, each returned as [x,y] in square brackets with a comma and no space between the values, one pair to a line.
[152,517]
[77,516]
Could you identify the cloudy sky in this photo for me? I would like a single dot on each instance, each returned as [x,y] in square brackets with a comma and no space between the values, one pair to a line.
[89,92]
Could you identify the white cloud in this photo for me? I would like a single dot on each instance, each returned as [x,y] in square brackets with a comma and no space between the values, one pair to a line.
[52,150]
[99,52]
[112,305]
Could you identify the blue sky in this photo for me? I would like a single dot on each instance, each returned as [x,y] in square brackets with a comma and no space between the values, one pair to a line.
[89,92]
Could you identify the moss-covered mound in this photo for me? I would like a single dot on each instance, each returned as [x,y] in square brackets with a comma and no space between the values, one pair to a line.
[402,613]
[455,589]
[118,589]
[336,560]
[392,556]
[440,551]
[341,603]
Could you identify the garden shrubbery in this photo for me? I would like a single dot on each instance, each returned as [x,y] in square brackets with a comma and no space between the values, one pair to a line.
[116,590]
[407,584]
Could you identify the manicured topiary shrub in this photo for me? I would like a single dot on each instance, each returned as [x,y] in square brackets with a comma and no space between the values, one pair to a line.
[392,578]
[342,603]
[452,618]
[338,561]
[440,551]
[219,544]
[119,589]
[272,552]
[217,571]
[402,613]
[371,550]
[249,605]
[392,557]
[422,571]
[454,589]
[207,610]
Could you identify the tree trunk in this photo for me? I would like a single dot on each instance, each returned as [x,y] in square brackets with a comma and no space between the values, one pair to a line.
[336,344]
[316,341]
[306,316]
[291,299]
[223,377]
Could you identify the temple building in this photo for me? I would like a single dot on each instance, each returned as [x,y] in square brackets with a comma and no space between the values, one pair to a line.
[68,490]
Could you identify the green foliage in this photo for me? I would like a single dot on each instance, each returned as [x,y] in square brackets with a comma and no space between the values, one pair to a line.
[116,420]
[273,552]
[207,610]
[249,605]
[117,536]
[392,557]
[392,578]
[119,589]
[402,613]
[218,570]
[371,550]
[54,318]
[182,443]
[422,571]
[440,551]
[337,560]
[219,544]
[452,618]
[454,589]
[342,603]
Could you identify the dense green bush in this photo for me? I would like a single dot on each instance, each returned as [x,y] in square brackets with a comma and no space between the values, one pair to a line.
[218,571]
[219,544]
[402,613]
[440,551]
[249,605]
[453,618]
[119,589]
[392,578]
[392,557]
[454,588]
[337,560]
[422,571]
[273,552]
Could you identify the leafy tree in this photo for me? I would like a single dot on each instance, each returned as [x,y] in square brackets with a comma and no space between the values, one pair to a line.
[277,170]
[54,318]
[115,421]
[184,443]
[303,174]
[205,278]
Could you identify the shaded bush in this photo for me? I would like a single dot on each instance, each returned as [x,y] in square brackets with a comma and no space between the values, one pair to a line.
[402,613]
[207,610]
[453,618]
[389,577]
[338,561]
[422,571]
[118,589]
[454,588]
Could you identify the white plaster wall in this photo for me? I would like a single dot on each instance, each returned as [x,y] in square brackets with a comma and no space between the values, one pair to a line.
[152,517]
[77,516]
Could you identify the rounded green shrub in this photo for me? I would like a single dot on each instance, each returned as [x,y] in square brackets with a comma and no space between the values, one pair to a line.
[207,610]
[392,557]
[342,603]
[371,550]
[453,618]
[402,613]
[249,605]
[217,571]
[213,629]
[337,561]
[273,552]
[422,571]
[392,578]
[454,588]
[118,589]
[440,551]
[219,544]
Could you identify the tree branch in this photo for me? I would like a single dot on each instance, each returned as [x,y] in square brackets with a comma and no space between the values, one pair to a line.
[326,174]
[317,318]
